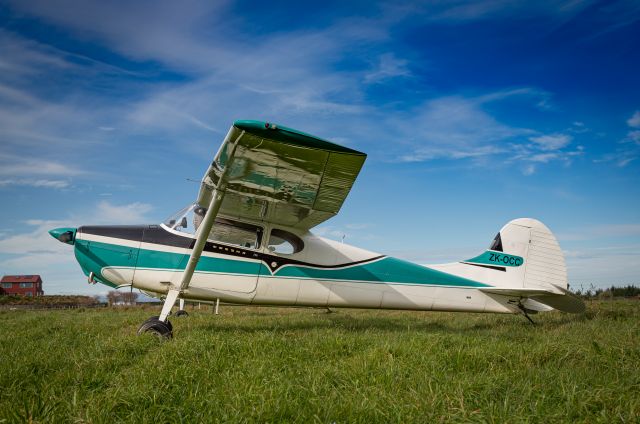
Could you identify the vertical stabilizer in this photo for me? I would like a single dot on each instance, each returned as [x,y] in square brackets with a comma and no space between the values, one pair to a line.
[544,265]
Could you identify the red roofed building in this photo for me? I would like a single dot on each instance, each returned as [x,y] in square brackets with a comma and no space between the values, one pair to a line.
[21,285]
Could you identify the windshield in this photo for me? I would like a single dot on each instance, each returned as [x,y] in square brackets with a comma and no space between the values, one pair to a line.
[186,220]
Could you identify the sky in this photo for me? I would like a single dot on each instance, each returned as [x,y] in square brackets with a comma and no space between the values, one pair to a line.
[471,113]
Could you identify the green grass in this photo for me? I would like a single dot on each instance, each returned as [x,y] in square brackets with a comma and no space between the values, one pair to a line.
[275,365]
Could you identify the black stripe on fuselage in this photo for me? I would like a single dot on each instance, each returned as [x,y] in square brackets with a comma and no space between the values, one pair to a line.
[127,232]
[495,268]
[155,234]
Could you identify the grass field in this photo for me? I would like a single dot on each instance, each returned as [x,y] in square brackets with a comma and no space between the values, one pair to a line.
[303,365]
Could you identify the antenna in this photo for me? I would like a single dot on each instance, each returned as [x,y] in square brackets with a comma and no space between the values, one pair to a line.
[343,236]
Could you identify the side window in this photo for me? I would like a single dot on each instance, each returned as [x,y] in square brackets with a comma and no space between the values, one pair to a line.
[284,242]
[496,244]
[236,233]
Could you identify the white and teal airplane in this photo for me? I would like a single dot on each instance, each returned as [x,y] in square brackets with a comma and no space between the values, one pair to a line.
[247,240]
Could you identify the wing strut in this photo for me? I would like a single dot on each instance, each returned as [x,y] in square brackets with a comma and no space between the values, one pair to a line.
[203,233]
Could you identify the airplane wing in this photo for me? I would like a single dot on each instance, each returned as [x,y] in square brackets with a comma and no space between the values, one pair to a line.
[281,175]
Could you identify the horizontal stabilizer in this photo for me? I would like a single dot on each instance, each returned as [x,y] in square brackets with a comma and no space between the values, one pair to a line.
[559,298]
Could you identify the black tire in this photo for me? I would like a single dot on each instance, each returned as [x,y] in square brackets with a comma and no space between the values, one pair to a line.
[157,318]
[182,313]
[157,328]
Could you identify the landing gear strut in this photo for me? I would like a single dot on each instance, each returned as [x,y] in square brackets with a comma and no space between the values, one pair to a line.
[525,313]
[181,312]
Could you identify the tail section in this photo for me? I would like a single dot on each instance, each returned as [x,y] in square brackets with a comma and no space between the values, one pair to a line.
[533,264]
[543,264]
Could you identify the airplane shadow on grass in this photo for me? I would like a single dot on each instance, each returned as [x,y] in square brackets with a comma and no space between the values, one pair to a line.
[346,322]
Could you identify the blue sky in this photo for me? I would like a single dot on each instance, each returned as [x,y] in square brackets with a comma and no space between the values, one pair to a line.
[472,114]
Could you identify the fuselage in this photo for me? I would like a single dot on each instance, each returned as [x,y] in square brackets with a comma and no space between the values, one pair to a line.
[308,271]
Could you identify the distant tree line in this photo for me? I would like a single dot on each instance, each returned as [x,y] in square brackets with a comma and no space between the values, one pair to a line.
[121,298]
[612,292]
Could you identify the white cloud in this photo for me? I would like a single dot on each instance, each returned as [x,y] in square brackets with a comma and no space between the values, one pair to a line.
[55,184]
[262,86]
[544,149]
[621,157]
[634,121]
[603,266]
[24,166]
[459,128]
[460,11]
[597,232]
[133,213]
[529,169]
[388,66]
[551,141]
[353,231]
[35,241]
[629,147]
[38,241]
[329,232]
[454,127]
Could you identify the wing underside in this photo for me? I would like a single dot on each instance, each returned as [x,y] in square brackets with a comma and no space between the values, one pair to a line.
[280,175]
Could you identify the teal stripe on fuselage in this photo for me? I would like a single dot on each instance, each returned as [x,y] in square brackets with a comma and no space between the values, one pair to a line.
[388,270]
[385,270]
[151,259]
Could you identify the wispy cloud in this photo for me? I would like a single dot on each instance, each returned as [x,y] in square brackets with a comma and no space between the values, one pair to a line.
[634,121]
[544,149]
[603,266]
[132,213]
[595,232]
[57,184]
[388,66]
[551,141]
[628,149]
[348,232]
[24,166]
[459,128]
[455,127]
[459,11]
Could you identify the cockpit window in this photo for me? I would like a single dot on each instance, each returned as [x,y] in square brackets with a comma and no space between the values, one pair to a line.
[188,221]
[496,244]
[284,242]
[184,220]
[236,233]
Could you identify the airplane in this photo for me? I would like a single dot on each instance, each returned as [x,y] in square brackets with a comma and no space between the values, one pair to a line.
[247,239]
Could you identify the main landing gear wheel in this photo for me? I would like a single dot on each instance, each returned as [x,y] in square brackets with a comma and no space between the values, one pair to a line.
[182,313]
[157,318]
[156,327]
